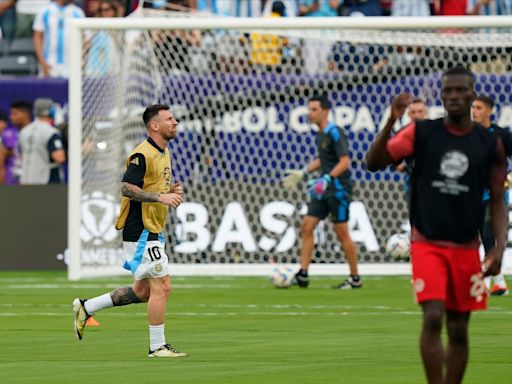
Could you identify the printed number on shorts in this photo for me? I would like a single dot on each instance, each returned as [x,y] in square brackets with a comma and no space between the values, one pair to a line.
[477,289]
[154,253]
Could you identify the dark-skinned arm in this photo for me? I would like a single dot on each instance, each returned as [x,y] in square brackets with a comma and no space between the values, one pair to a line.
[499,217]
[377,156]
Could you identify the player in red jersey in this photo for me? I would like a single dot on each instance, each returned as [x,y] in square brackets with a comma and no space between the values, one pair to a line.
[454,161]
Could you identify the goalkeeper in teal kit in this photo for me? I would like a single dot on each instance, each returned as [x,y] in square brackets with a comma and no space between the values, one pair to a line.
[330,193]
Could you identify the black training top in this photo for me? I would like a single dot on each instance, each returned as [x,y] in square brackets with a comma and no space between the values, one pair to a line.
[450,174]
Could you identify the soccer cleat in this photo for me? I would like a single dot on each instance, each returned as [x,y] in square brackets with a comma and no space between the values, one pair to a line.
[301,280]
[166,350]
[499,290]
[350,283]
[81,317]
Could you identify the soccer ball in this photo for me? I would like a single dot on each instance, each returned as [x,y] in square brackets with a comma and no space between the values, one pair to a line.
[399,246]
[282,276]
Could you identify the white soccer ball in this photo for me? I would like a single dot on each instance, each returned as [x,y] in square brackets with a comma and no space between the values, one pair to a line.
[399,246]
[282,276]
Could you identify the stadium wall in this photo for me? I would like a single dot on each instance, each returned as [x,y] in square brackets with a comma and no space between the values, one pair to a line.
[33,226]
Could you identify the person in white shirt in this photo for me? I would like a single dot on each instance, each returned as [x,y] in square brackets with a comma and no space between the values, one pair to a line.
[233,8]
[51,29]
[407,8]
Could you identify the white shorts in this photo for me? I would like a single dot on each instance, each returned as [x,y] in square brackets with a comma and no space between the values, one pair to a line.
[146,259]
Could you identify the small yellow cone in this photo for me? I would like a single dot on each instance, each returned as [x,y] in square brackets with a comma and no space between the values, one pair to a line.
[92,322]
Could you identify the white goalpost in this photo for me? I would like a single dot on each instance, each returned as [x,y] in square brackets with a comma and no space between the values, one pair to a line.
[240,88]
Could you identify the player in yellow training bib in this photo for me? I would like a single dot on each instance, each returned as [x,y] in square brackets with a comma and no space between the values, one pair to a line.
[147,194]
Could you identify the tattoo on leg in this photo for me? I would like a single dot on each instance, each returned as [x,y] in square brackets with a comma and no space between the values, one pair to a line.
[124,296]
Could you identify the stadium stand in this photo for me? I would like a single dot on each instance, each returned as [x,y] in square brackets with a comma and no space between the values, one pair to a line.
[18,65]
[23,45]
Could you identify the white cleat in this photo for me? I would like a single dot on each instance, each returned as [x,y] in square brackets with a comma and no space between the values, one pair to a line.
[166,350]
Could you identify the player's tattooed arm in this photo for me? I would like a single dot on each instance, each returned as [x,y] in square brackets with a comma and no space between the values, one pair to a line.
[124,296]
[138,194]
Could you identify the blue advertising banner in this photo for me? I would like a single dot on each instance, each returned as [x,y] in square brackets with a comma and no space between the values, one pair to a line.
[252,127]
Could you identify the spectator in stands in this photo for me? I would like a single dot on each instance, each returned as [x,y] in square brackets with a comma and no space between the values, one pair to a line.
[21,116]
[41,147]
[103,49]
[266,50]
[360,8]
[50,32]
[121,7]
[401,60]
[343,56]
[91,7]
[130,5]
[321,8]
[174,48]
[26,11]
[233,8]
[316,51]
[171,5]
[489,7]
[289,8]
[8,142]
[386,7]
[8,19]
[450,7]
[405,8]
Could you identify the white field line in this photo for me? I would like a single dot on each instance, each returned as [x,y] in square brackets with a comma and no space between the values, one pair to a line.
[110,285]
[263,284]
[180,281]
[354,308]
[236,314]
[213,314]
[254,310]
[31,279]
[249,306]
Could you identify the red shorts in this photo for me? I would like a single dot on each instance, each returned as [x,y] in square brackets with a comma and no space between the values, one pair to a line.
[448,274]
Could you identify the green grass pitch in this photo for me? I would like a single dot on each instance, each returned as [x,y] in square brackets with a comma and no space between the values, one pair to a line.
[236,330]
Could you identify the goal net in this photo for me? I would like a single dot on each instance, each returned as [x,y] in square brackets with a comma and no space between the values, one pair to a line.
[239,88]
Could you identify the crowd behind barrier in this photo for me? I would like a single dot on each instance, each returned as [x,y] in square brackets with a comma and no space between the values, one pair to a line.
[33,43]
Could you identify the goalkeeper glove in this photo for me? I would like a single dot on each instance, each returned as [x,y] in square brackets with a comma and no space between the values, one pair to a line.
[293,178]
[318,187]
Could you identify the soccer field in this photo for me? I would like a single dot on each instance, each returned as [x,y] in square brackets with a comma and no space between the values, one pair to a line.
[236,330]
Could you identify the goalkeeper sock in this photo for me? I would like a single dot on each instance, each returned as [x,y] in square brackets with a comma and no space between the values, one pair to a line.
[98,303]
[156,336]
[355,277]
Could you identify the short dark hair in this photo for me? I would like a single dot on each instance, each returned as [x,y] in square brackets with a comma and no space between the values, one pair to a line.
[22,105]
[418,100]
[3,116]
[486,100]
[323,99]
[152,111]
[459,70]
[278,7]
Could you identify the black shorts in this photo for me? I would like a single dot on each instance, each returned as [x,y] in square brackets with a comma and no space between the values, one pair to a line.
[336,204]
